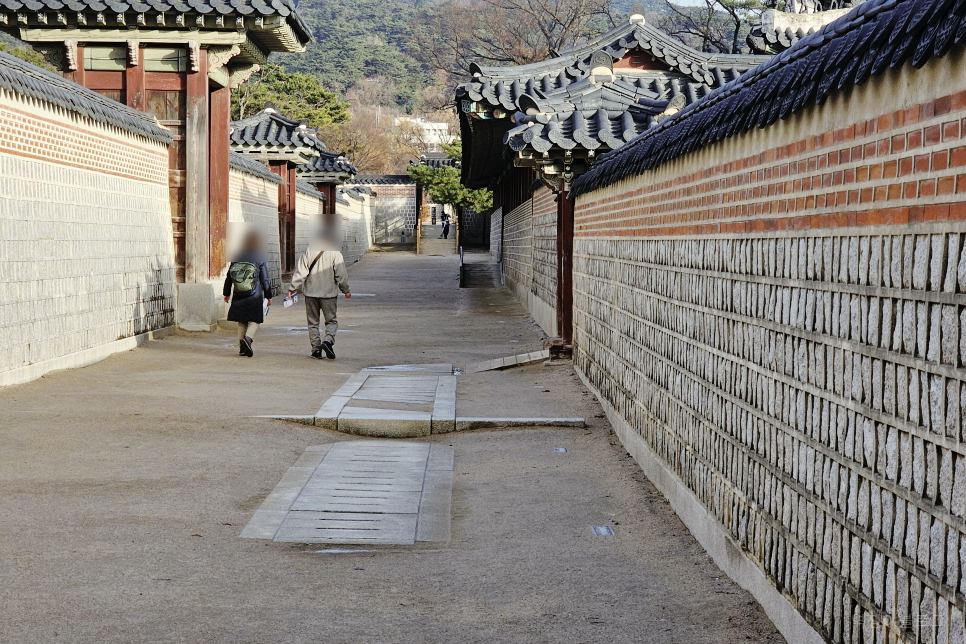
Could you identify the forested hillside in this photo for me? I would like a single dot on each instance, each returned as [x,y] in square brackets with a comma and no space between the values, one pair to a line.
[397,43]
[357,39]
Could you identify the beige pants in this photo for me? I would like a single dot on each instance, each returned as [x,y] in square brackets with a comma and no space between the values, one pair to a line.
[247,328]
[318,309]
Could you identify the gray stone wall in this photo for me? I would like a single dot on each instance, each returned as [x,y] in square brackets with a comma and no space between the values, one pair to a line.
[776,326]
[394,213]
[530,258]
[544,284]
[496,235]
[518,246]
[808,389]
[474,228]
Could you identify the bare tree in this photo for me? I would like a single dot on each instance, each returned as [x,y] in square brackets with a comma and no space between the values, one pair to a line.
[713,25]
[454,33]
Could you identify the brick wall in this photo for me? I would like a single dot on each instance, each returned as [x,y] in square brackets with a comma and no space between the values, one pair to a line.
[777,327]
[253,201]
[529,251]
[87,262]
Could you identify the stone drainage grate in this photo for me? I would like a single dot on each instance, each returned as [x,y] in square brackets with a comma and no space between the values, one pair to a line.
[361,492]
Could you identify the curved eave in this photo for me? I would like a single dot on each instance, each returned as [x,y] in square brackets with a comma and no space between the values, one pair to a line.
[269,153]
[483,149]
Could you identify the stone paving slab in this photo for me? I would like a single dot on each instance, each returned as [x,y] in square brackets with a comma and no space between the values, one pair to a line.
[357,492]
[508,361]
[412,368]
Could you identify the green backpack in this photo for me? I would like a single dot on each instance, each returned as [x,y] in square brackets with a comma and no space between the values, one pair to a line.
[243,276]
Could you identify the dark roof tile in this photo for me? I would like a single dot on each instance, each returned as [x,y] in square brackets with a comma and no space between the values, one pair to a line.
[251,166]
[307,188]
[269,134]
[24,78]
[806,74]
[383,179]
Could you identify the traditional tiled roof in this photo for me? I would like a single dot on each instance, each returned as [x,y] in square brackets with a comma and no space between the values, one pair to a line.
[383,179]
[270,136]
[111,9]
[251,166]
[437,160]
[877,35]
[559,108]
[28,80]
[503,86]
[307,188]
[597,115]
[779,30]
[327,168]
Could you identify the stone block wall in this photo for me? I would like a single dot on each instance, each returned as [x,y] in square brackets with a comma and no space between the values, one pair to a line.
[544,285]
[496,235]
[776,326]
[393,213]
[518,247]
[253,201]
[87,263]
[474,228]
[529,251]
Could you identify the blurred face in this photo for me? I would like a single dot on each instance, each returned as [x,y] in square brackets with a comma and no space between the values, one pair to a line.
[326,233]
[253,241]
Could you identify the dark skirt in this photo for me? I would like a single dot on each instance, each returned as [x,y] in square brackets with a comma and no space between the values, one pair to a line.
[247,309]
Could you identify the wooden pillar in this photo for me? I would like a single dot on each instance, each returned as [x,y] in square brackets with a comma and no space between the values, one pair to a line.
[196,173]
[134,83]
[78,74]
[290,220]
[565,266]
[218,168]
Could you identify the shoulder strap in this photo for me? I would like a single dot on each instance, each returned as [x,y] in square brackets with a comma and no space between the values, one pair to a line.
[314,262]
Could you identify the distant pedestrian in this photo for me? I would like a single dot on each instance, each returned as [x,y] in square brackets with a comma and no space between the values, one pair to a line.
[321,274]
[248,287]
[446,229]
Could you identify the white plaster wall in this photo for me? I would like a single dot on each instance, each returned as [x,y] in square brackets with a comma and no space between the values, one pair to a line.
[87,262]
[253,201]
[308,212]
[356,218]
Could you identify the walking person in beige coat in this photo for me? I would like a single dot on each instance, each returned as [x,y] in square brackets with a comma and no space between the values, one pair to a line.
[320,275]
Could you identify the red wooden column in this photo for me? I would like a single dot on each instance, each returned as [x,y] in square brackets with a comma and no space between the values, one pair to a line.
[218,168]
[196,175]
[134,83]
[78,74]
[290,220]
[286,213]
[565,266]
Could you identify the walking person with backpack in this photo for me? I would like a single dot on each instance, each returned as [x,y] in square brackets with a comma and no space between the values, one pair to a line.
[321,274]
[247,285]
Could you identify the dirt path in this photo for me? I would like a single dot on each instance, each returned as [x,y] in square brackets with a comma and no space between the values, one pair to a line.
[124,487]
